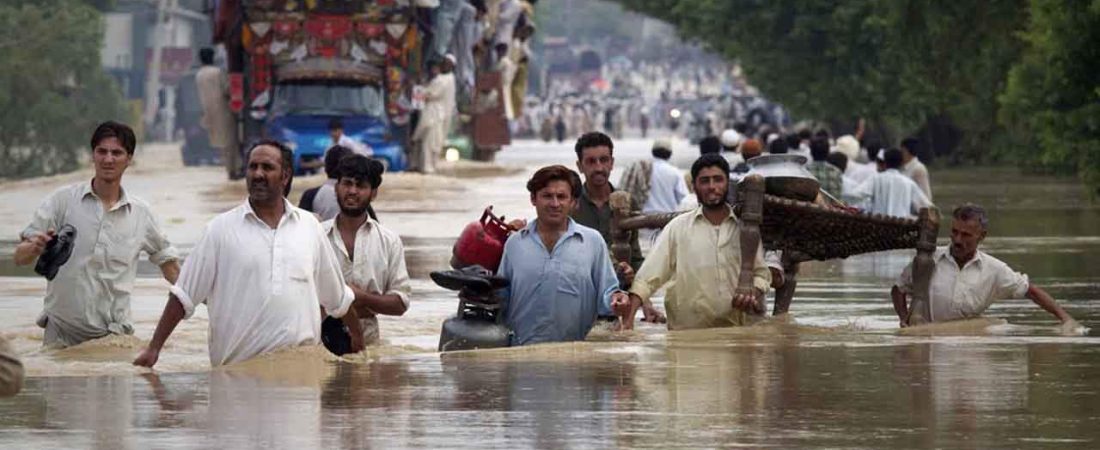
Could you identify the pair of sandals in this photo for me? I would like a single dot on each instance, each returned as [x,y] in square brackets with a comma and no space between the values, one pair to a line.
[474,281]
[57,252]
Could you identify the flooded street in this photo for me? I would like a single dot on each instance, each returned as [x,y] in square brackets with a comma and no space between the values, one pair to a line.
[836,373]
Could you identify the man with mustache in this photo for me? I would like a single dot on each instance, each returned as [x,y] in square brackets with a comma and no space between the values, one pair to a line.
[966,281]
[263,269]
[89,297]
[559,272]
[700,251]
[371,256]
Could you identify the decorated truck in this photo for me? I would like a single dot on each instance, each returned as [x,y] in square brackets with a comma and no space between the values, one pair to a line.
[295,65]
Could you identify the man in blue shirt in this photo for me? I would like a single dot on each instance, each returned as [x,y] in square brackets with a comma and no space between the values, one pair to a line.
[559,271]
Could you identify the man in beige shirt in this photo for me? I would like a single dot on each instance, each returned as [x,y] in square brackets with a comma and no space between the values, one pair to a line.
[913,168]
[371,256]
[11,371]
[90,296]
[217,118]
[700,251]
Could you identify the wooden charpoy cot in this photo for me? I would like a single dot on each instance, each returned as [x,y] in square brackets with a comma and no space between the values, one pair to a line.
[803,231]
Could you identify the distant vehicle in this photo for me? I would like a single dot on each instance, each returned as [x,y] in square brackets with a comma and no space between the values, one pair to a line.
[295,66]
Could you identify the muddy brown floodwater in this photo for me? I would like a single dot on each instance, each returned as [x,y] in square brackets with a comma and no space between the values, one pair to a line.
[836,373]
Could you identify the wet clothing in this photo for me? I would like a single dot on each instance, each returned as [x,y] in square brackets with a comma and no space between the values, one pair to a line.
[666,188]
[919,174]
[11,370]
[554,295]
[262,286]
[892,194]
[377,265]
[599,218]
[90,297]
[321,200]
[703,262]
[964,293]
[830,177]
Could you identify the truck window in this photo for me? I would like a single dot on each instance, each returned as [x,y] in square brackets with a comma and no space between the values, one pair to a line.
[328,99]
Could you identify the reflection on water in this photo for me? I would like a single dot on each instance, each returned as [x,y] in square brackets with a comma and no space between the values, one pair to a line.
[836,375]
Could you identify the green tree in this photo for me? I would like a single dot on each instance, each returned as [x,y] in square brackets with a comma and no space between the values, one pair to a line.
[1052,102]
[52,88]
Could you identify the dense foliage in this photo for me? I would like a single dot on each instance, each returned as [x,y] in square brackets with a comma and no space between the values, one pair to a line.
[979,80]
[52,88]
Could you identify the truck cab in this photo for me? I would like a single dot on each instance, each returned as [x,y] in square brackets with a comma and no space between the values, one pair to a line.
[302,109]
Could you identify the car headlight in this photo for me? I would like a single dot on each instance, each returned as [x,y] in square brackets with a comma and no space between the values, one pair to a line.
[675,113]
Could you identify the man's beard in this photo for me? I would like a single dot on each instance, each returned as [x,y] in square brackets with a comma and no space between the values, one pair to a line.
[357,212]
[717,203]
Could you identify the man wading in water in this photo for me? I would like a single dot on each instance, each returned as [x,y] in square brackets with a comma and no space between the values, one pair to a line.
[559,271]
[263,269]
[90,296]
[966,281]
[700,251]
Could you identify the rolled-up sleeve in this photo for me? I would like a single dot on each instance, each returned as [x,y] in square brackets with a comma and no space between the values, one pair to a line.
[657,268]
[334,295]
[156,242]
[199,273]
[1010,284]
[606,281]
[397,275]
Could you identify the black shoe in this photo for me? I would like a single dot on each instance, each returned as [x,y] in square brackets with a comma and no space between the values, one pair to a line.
[473,278]
[335,336]
[57,252]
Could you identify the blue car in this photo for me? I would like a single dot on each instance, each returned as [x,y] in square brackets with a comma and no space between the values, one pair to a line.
[301,112]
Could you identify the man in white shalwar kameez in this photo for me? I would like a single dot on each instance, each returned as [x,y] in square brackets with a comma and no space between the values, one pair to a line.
[436,117]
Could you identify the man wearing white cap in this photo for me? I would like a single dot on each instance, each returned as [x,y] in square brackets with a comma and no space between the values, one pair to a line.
[730,140]
[435,118]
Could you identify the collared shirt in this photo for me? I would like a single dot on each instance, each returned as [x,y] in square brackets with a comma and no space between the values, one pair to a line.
[704,263]
[829,176]
[919,174]
[555,294]
[966,292]
[893,194]
[599,219]
[90,297]
[325,204]
[377,265]
[666,188]
[262,286]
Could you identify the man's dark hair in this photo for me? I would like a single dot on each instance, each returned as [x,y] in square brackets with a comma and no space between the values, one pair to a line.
[892,158]
[709,160]
[805,134]
[593,139]
[839,160]
[779,146]
[333,156]
[557,172]
[822,134]
[206,56]
[710,144]
[793,141]
[360,168]
[287,159]
[819,149]
[910,145]
[970,211]
[741,128]
[661,153]
[335,124]
[111,129]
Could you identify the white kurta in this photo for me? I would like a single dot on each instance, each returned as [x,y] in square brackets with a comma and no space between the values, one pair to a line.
[435,120]
[217,119]
[666,188]
[263,287]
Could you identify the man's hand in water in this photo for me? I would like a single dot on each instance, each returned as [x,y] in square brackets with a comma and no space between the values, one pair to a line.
[746,301]
[652,315]
[147,357]
[624,305]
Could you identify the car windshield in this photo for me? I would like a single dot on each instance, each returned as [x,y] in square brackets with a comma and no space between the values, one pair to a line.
[328,98]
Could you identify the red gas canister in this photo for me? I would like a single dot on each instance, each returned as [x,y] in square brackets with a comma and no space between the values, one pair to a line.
[481,242]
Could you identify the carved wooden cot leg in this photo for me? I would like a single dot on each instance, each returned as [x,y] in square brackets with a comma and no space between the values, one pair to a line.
[620,237]
[920,310]
[752,214]
[785,293]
